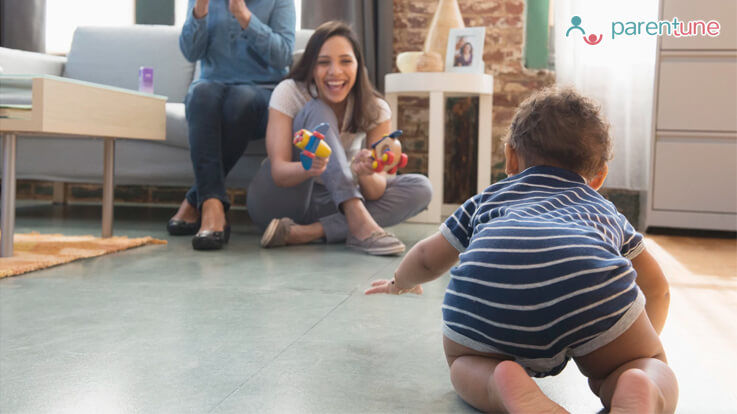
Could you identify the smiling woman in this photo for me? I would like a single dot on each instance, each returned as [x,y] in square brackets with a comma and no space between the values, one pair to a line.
[339,198]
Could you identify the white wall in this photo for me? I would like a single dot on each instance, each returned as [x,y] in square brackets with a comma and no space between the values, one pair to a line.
[63,17]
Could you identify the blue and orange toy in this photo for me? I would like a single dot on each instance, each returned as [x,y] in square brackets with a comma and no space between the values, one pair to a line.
[387,153]
[312,144]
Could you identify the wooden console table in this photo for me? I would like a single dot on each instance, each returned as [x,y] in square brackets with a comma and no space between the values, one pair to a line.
[69,108]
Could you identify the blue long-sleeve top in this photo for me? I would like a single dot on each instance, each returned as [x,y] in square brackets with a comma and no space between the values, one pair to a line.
[259,54]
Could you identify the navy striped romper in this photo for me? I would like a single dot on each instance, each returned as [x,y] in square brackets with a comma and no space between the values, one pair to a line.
[544,272]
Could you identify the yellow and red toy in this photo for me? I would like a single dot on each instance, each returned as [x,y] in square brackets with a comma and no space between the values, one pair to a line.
[387,154]
[312,144]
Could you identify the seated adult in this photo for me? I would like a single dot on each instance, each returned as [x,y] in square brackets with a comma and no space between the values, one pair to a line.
[244,50]
[339,198]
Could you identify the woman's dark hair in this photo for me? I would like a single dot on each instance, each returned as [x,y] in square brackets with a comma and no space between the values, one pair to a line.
[563,129]
[365,107]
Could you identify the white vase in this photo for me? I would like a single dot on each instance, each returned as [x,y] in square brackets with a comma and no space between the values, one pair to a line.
[407,61]
[447,16]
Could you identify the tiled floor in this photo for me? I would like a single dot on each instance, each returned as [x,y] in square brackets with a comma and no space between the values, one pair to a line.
[164,329]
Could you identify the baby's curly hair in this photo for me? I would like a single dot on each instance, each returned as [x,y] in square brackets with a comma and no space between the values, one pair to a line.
[561,128]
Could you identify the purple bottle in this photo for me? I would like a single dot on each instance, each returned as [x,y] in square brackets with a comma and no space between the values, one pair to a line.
[146,79]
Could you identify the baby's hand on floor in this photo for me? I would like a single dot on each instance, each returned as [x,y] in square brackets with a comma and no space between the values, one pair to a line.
[389,287]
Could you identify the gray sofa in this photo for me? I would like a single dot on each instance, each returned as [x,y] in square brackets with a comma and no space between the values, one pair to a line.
[112,56]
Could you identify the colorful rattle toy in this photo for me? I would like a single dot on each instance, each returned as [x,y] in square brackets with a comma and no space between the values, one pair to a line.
[387,153]
[312,144]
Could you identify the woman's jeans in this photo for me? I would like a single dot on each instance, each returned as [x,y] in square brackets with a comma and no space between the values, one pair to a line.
[312,201]
[222,119]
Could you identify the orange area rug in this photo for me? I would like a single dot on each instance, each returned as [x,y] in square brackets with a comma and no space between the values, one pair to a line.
[34,251]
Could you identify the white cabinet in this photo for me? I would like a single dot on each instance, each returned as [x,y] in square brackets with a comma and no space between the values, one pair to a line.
[697,92]
[691,171]
[693,180]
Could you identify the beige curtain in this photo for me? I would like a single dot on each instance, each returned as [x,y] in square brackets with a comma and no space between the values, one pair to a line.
[22,24]
[372,20]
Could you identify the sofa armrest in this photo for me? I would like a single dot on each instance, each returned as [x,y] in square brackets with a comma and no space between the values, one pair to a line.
[14,61]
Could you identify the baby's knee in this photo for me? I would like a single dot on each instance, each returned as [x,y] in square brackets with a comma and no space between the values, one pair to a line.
[456,369]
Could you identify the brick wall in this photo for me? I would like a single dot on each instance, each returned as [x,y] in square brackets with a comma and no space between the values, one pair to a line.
[503,58]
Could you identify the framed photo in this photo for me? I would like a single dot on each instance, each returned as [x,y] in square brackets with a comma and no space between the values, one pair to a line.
[465,50]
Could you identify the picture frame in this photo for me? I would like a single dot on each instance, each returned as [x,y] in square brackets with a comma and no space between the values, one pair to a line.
[465,51]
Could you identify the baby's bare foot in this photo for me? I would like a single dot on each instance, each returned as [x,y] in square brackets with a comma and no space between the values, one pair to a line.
[519,392]
[636,393]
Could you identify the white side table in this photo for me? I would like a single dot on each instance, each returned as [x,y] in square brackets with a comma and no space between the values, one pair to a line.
[441,85]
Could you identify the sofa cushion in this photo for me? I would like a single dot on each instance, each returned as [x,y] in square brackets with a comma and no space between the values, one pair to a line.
[176,126]
[112,56]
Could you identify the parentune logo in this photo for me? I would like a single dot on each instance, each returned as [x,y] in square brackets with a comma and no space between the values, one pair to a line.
[591,39]
[673,28]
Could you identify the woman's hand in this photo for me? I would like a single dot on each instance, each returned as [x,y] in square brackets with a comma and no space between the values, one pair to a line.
[200,8]
[319,165]
[239,9]
[390,287]
[361,164]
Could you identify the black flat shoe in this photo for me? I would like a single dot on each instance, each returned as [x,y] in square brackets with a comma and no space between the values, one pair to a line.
[211,240]
[182,228]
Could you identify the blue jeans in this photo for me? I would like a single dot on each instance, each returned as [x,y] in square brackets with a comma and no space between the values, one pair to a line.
[222,119]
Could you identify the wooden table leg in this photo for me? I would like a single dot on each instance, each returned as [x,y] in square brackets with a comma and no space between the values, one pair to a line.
[108,187]
[7,221]
[59,193]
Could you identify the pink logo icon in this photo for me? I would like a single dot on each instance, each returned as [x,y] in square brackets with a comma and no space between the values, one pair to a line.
[592,39]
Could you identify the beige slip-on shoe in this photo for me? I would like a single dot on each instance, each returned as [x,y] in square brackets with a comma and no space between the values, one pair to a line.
[379,243]
[276,232]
